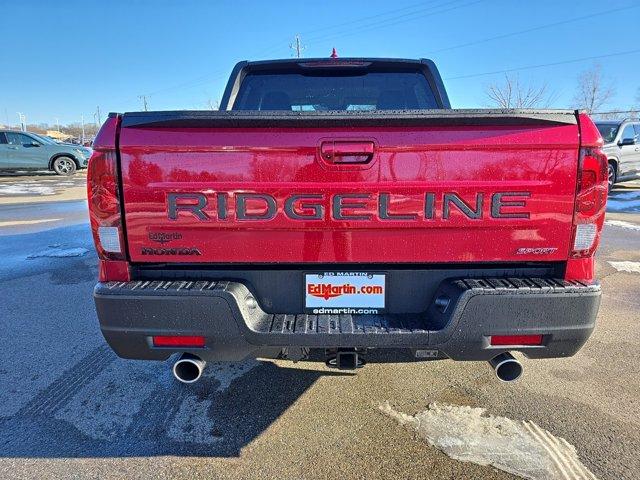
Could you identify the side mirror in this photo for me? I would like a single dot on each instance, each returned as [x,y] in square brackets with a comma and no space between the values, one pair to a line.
[627,141]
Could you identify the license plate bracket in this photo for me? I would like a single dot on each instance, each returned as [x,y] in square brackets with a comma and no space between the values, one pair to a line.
[345,292]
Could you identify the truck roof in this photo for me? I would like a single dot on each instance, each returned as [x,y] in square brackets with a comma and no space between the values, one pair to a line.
[339,61]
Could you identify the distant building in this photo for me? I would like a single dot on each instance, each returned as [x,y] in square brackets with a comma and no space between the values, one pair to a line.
[56,135]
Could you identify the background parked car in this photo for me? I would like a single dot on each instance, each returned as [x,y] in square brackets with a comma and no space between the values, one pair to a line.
[622,146]
[29,151]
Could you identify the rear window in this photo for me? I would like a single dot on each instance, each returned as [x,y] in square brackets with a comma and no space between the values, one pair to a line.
[608,131]
[323,90]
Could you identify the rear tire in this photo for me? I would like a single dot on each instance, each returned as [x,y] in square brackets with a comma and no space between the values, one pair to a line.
[65,166]
[611,176]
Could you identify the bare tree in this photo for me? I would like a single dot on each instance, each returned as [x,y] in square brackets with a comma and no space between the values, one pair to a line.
[616,114]
[212,104]
[75,129]
[594,91]
[628,110]
[510,93]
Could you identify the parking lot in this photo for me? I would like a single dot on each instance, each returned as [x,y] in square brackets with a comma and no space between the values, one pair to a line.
[70,408]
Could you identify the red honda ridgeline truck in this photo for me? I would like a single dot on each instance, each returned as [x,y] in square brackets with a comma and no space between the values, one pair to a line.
[340,210]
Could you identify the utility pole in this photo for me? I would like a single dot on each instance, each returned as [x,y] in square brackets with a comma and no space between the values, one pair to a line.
[144,101]
[297,47]
[23,121]
[82,122]
[98,116]
[58,123]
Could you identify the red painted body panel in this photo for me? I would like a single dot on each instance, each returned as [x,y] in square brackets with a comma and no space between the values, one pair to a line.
[407,163]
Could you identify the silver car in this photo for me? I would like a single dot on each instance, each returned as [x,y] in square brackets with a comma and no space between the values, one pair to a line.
[29,151]
[622,147]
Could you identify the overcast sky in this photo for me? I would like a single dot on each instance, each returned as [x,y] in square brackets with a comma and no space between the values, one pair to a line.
[63,59]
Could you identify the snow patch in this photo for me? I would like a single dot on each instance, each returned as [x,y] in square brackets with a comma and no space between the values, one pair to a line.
[517,447]
[626,266]
[621,224]
[57,252]
[26,189]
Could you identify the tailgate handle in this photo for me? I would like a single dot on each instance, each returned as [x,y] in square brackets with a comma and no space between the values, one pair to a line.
[347,152]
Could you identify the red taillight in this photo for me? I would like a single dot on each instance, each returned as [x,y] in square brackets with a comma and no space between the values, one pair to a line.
[104,205]
[516,340]
[591,201]
[178,341]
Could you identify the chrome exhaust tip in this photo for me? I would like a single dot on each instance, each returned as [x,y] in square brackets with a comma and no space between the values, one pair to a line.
[506,367]
[188,368]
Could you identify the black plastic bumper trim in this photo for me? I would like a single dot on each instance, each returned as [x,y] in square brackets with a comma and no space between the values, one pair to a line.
[461,315]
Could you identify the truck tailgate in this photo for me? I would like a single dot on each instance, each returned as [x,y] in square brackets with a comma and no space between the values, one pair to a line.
[455,187]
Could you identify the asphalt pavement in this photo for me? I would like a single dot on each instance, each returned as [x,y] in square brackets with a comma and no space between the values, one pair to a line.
[70,408]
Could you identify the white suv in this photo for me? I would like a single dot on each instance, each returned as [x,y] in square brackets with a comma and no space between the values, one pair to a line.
[622,146]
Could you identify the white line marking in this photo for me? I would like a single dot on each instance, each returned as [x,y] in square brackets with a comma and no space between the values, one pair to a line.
[622,224]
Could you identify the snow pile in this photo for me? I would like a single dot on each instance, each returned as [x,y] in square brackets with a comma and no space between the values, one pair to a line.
[517,447]
[631,267]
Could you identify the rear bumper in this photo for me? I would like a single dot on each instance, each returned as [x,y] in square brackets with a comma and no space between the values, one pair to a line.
[462,315]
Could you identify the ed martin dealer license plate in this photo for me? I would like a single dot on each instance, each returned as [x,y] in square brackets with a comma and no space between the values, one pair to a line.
[345,292]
